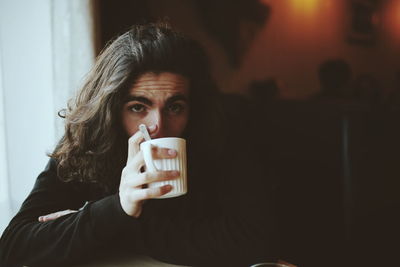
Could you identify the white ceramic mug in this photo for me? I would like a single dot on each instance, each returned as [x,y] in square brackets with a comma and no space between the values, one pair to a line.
[179,163]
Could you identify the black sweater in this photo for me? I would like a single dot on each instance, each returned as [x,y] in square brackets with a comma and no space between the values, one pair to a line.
[226,219]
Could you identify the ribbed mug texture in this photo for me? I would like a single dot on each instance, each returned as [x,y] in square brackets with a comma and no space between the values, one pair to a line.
[178,163]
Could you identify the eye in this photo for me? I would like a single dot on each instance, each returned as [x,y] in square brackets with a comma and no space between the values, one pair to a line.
[137,108]
[176,108]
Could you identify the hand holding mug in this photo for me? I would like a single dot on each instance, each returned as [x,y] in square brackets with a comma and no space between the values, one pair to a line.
[133,188]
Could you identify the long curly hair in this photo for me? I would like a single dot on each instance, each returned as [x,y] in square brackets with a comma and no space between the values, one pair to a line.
[94,147]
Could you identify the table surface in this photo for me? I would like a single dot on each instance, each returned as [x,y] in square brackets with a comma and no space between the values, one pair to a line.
[124,260]
[127,261]
[142,261]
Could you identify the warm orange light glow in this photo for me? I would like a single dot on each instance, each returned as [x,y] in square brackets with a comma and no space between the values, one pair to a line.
[309,19]
[392,19]
[307,7]
[396,17]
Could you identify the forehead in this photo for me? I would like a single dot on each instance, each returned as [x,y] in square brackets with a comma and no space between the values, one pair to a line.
[166,83]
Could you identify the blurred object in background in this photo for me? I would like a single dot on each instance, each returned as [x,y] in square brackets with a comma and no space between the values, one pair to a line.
[234,24]
[335,77]
[265,90]
[363,22]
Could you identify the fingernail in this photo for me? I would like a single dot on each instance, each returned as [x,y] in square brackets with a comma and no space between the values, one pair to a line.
[40,218]
[168,187]
[152,127]
[172,152]
[175,173]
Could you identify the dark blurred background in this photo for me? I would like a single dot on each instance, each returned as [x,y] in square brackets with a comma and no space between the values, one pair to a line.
[287,41]
[320,79]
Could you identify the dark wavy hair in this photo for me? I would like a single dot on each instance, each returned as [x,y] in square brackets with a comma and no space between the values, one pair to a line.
[94,146]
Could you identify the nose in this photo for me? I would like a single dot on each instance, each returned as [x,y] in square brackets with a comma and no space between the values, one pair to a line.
[155,124]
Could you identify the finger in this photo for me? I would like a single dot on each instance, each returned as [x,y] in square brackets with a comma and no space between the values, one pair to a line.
[151,177]
[162,153]
[134,144]
[55,215]
[134,165]
[49,217]
[154,192]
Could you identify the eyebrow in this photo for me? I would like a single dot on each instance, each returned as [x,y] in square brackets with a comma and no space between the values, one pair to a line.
[177,97]
[142,99]
[148,102]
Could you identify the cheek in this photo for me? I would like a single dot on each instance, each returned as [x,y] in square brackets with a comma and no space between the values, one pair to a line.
[129,124]
[178,125]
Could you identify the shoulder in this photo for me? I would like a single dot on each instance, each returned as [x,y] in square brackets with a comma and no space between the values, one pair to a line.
[49,183]
[49,175]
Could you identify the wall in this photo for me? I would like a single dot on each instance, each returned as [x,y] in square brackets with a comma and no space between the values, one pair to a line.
[298,36]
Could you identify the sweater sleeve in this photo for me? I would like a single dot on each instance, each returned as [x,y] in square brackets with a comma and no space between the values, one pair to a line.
[68,239]
[241,231]
[225,240]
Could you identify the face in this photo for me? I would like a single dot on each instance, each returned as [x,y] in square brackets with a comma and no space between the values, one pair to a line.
[160,101]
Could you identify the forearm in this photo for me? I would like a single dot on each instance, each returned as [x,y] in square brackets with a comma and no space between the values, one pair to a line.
[68,239]
[223,240]
[233,222]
